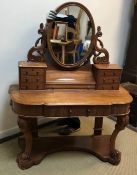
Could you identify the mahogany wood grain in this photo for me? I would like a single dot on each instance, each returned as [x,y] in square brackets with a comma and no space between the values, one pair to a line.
[68,97]
[45,91]
[68,102]
[36,148]
[31,64]
[70,79]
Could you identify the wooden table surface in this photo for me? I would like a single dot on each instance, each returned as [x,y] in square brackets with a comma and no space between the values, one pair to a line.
[68,102]
[69,96]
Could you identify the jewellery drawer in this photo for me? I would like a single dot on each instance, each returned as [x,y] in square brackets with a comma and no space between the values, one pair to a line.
[108,73]
[32,75]
[32,71]
[107,86]
[32,79]
[106,70]
[104,80]
[32,86]
[107,76]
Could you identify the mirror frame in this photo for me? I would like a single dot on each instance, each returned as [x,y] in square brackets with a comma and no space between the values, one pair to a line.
[91,47]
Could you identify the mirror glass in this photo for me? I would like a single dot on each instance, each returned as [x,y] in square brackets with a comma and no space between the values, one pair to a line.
[70,35]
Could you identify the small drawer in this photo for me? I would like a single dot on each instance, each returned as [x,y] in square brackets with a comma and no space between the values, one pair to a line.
[32,79]
[32,86]
[32,71]
[106,80]
[108,73]
[107,86]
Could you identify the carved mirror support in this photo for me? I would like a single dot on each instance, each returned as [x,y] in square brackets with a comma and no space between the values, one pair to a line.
[70,38]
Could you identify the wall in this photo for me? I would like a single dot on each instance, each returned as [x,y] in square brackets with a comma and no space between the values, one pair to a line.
[18,32]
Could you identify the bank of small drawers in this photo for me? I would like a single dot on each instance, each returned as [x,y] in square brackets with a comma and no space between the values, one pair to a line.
[32,76]
[107,76]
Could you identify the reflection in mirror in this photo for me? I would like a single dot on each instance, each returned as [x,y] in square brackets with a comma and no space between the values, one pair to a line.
[71,34]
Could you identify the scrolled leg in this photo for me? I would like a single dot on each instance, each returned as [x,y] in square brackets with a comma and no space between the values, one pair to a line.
[115,156]
[24,159]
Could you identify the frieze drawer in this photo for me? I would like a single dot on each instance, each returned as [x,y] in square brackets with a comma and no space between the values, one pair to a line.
[70,111]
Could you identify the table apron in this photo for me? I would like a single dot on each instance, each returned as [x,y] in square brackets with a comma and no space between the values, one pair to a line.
[70,110]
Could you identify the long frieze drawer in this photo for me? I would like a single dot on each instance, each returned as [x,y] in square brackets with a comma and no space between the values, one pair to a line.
[41,110]
[70,111]
[32,86]
[110,79]
[32,79]
[107,86]
[32,71]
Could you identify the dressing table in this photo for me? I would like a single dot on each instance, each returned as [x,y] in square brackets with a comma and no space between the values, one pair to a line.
[68,88]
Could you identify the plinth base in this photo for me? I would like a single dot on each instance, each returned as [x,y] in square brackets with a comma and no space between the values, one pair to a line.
[42,146]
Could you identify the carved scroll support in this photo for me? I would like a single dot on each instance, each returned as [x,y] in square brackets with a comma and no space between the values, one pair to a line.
[115,156]
[29,129]
[98,59]
[37,52]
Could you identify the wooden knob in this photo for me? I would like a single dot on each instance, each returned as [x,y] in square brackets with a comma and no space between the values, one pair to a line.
[88,112]
[70,111]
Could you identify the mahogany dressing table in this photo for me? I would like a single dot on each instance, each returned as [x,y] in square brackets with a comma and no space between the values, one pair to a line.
[69,89]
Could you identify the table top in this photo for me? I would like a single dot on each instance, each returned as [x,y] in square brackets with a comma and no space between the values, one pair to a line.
[69,96]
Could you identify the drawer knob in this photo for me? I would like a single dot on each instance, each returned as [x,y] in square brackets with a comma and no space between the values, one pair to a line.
[70,111]
[88,112]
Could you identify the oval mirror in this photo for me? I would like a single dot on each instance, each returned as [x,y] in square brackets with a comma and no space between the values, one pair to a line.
[70,34]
